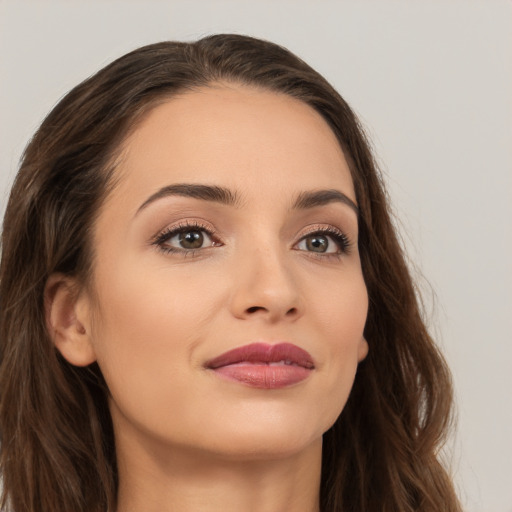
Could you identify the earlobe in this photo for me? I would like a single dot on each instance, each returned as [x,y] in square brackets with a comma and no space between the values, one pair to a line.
[68,320]
[362,350]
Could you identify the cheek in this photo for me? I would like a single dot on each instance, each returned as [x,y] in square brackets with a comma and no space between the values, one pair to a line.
[341,308]
[341,317]
[151,305]
[147,326]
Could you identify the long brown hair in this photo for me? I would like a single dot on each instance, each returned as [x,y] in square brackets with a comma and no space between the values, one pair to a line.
[57,443]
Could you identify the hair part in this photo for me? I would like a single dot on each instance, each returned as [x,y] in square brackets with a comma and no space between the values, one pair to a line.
[57,441]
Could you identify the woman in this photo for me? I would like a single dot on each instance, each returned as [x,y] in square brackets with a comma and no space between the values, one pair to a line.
[204,304]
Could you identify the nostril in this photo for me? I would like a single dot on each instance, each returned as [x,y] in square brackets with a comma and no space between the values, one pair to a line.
[253,309]
[291,311]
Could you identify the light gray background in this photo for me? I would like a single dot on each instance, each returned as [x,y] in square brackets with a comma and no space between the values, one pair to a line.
[430,80]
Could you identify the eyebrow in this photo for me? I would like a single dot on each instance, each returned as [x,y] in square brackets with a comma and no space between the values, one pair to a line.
[205,192]
[314,198]
[222,195]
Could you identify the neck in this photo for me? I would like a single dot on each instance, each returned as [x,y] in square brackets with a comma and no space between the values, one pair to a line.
[188,481]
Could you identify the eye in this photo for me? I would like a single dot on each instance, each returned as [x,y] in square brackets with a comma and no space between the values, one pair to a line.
[191,239]
[185,238]
[329,241]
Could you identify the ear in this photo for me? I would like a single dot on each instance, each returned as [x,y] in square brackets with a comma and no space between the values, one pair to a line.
[68,319]
[362,350]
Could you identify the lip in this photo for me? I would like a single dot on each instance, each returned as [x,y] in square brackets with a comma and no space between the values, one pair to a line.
[262,365]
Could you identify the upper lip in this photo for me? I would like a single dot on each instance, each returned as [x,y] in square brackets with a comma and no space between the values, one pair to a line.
[263,353]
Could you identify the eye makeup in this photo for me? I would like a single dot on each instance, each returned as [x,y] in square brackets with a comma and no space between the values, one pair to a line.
[190,235]
[190,238]
[325,242]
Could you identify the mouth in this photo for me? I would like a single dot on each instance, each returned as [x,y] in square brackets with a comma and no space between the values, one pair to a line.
[264,366]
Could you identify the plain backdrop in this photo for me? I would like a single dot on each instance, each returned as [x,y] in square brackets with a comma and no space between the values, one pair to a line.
[431,81]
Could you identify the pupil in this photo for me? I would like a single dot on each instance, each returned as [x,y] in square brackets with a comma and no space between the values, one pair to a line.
[317,243]
[191,239]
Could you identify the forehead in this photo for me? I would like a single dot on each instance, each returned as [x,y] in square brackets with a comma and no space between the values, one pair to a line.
[234,136]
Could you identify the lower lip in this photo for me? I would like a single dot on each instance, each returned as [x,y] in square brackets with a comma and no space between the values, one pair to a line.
[264,376]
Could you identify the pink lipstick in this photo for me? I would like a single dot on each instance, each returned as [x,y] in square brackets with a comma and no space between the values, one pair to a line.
[264,366]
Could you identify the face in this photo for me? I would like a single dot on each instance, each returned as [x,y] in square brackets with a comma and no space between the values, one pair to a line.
[229,301]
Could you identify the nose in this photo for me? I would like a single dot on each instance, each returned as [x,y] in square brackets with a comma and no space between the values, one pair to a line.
[265,287]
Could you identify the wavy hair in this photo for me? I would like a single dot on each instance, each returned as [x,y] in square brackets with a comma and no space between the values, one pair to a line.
[57,443]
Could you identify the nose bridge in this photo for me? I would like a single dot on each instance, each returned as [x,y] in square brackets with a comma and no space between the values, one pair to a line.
[265,284]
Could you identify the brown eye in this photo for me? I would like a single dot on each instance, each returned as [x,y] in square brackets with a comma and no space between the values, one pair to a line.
[328,242]
[191,239]
[317,243]
[185,238]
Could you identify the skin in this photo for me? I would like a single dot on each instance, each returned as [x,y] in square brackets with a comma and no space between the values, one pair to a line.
[186,438]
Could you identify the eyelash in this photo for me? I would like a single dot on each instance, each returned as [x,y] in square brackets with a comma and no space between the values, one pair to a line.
[168,233]
[341,239]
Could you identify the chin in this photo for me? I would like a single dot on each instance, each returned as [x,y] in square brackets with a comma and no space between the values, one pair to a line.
[265,448]
[264,438]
